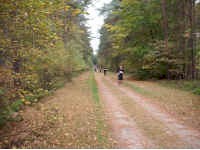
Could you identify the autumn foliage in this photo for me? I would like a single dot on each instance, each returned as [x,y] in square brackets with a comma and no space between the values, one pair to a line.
[152,39]
[42,43]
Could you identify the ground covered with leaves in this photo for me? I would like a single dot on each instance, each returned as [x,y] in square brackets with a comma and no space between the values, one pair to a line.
[181,104]
[71,118]
[165,117]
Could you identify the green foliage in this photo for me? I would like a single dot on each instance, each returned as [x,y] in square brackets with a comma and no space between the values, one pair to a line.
[42,43]
[6,112]
[94,88]
[1,92]
[193,86]
[15,106]
[133,35]
[138,89]
[2,120]
[99,121]
[142,74]
[196,91]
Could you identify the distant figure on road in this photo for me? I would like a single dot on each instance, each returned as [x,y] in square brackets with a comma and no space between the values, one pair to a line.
[104,71]
[120,73]
[100,69]
[95,68]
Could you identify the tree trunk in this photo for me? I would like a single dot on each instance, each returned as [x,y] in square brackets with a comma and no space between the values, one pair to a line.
[165,28]
[192,39]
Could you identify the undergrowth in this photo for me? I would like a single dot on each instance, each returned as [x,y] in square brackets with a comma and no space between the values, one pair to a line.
[192,86]
[28,98]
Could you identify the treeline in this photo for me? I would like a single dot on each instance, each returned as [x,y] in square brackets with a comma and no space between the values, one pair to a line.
[152,38]
[42,42]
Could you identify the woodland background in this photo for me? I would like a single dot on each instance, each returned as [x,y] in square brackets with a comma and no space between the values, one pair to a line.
[43,43]
[152,38]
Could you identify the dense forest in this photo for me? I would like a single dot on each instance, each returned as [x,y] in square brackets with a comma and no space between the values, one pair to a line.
[152,39]
[42,44]
[99,74]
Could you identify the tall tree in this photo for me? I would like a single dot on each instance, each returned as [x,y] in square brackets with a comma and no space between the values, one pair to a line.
[165,28]
[151,38]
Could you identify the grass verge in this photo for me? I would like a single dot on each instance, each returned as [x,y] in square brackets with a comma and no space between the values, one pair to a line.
[137,89]
[192,86]
[101,127]
[179,103]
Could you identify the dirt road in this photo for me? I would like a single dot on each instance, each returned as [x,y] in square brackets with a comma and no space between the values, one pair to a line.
[81,116]
[67,119]
[127,127]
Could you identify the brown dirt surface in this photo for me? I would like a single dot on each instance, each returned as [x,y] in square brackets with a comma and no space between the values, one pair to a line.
[131,115]
[183,105]
[67,119]
[189,136]
[124,129]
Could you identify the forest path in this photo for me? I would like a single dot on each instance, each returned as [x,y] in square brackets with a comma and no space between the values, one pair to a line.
[137,122]
[69,118]
[124,128]
[73,117]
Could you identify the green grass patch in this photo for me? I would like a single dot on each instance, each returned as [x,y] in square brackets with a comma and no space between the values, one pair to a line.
[94,88]
[132,85]
[100,119]
[15,106]
[5,113]
[3,118]
[137,88]
[192,86]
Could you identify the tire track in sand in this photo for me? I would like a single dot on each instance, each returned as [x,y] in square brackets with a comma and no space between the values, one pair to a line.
[186,134]
[124,128]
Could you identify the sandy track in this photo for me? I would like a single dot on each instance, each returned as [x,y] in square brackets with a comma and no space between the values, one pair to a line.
[124,128]
[189,136]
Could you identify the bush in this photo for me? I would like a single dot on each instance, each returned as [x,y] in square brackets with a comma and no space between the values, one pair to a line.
[192,86]
[15,106]
[2,120]
[196,91]
[142,74]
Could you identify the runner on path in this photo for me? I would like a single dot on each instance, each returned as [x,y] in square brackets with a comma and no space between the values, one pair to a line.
[120,73]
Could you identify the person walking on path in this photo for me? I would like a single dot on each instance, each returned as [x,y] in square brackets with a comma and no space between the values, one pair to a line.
[105,70]
[120,73]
